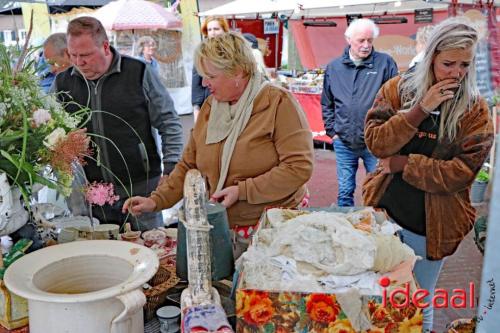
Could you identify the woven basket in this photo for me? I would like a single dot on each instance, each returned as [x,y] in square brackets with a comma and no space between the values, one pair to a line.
[161,282]
[462,325]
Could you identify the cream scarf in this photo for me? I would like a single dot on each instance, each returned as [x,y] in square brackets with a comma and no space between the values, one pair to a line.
[228,121]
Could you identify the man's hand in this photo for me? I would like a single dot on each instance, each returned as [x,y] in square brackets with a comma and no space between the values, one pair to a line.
[229,196]
[138,205]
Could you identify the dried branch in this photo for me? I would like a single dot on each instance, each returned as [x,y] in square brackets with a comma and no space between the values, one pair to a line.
[20,61]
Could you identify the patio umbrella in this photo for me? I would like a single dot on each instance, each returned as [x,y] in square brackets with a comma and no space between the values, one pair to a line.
[136,14]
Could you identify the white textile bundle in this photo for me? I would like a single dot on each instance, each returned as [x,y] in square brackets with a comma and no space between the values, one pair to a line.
[390,252]
[324,241]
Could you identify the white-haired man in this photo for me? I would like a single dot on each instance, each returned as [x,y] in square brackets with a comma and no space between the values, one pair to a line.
[350,85]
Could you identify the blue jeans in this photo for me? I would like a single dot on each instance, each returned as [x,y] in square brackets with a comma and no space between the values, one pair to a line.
[347,166]
[426,272]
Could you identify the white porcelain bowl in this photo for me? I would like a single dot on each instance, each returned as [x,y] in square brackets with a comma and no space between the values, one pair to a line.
[86,286]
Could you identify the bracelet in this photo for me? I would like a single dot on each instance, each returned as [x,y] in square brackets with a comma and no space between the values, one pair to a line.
[424,109]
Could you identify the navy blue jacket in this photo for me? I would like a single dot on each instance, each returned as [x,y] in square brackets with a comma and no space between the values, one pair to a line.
[349,92]
[199,93]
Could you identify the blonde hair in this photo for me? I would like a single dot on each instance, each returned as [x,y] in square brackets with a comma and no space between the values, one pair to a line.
[450,34]
[229,52]
[222,22]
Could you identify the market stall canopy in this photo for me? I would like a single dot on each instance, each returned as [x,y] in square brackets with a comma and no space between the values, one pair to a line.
[245,7]
[54,5]
[136,14]
[317,8]
[329,8]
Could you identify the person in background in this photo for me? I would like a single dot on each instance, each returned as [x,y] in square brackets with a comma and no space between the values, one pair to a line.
[146,46]
[54,59]
[252,141]
[421,39]
[259,58]
[350,85]
[432,132]
[211,27]
[127,100]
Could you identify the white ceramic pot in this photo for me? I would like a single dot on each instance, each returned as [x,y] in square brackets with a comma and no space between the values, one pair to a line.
[81,287]
[12,214]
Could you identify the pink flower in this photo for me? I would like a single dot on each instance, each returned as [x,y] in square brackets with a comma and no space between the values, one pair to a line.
[100,194]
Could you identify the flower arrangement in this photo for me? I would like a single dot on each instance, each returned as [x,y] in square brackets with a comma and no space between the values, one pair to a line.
[38,139]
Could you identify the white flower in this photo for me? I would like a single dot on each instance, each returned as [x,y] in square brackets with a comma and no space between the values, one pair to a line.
[41,117]
[53,138]
[50,102]
[3,109]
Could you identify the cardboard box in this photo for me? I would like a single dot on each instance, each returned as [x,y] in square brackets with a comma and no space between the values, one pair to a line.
[24,329]
[265,311]
[13,309]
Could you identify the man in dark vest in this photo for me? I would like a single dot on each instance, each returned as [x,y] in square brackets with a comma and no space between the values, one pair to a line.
[128,101]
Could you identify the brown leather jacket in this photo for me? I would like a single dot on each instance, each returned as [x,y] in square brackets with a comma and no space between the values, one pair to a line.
[271,162]
[445,177]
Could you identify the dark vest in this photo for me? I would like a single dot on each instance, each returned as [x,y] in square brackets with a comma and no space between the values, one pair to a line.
[121,95]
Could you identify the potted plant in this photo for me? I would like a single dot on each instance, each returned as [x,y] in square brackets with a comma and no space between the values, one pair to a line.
[479,186]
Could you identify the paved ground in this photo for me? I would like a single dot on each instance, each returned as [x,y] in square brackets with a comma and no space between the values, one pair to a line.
[459,269]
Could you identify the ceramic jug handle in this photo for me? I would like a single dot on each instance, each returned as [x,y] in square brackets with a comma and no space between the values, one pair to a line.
[133,302]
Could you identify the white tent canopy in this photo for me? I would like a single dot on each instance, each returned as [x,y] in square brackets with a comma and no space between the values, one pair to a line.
[246,7]
[309,4]
[318,8]
[325,8]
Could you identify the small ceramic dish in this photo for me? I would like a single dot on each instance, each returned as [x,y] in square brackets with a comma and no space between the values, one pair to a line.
[131,236]
[154,236]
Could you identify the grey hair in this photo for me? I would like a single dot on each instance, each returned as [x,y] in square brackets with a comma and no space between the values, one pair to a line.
[361,23]
[451,34]
[58,42]
[143,41]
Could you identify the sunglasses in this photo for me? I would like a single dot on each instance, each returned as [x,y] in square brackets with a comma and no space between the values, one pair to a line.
[54,63]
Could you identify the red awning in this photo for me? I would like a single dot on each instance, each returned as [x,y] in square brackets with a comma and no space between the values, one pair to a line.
[318,45]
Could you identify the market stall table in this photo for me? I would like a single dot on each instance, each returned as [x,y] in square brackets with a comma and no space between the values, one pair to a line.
[311,104]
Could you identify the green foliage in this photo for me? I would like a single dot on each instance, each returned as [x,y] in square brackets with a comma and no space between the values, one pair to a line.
[483,176]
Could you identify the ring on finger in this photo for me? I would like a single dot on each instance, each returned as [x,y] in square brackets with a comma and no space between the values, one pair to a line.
[441,91]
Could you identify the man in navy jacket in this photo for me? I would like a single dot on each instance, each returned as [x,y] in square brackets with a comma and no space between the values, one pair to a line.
[350,86]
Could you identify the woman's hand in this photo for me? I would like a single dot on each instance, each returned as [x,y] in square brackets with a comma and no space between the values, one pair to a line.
[438,93]
[393,164]
[138,205]
[228,195]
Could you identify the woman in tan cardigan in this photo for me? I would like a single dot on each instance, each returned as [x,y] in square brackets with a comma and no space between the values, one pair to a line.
[251,141]
[432,132]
